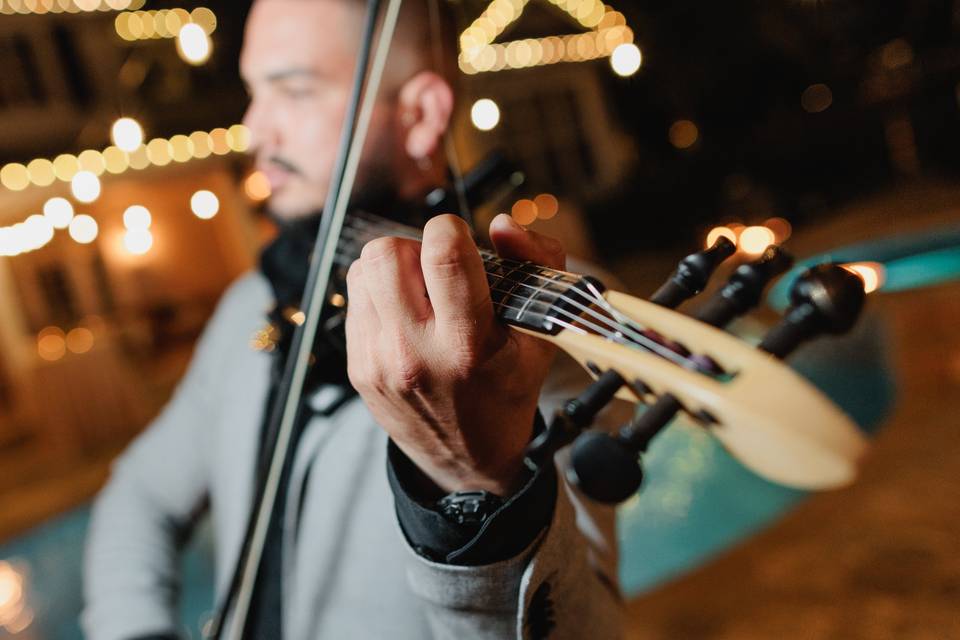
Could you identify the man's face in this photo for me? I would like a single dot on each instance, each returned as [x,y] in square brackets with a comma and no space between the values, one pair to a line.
[297,62]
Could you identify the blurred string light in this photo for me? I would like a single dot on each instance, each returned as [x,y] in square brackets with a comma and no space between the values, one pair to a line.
[83,229]
[163,23]
[626,59]
[752,240]
[204,204]
[114,160]
[257,186]
[485,114]
[193,44]
[609,31]
[684,134]
[126,134]
[543,207]
[59,212]
[11,7]
[717,232]
[137,217]
[816,98]
[137,240]
[873,274]
[85,186]
[755,240]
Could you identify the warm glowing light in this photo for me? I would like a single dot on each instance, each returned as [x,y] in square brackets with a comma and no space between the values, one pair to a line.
[755,240]
[83,229]
[159,152]
[524,211]
[59,212]
[51,346]
[781,228]
[137,241]
[816,98]
[116,159]
[547,206]
[181,148]
[684,134]
[41,172]
[80,340]
[37,232]
[193,44]
[298,318]
[205,18]
[137,217]
[257,186]
[626,59]
[238,138]
[127,134]
[92,161]
[717,232]
[15,177]
[485,114]
[204,204]
[85,186]
[66,166]
[873,274]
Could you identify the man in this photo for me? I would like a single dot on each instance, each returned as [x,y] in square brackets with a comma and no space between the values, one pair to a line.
[361,547]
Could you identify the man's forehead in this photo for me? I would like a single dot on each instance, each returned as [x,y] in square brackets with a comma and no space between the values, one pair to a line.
[298,37]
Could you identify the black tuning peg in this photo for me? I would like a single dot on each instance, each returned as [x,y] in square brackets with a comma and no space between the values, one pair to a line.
[743,290]
[606,467]
[692,274]
[825,299]
[573,417]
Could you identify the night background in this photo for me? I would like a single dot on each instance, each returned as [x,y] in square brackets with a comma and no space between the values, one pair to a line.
[840,117]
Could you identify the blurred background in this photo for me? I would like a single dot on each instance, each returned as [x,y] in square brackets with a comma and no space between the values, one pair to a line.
[644,129]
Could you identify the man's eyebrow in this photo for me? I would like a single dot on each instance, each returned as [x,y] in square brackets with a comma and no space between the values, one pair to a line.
[296,72]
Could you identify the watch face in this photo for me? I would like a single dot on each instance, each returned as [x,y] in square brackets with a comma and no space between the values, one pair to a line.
[469,507]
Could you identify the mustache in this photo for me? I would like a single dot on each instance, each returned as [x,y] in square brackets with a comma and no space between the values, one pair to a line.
[284,164]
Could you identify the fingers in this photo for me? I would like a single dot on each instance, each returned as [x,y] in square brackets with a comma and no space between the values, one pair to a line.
[392,274]
[362,320]
[514,242]
[455,278]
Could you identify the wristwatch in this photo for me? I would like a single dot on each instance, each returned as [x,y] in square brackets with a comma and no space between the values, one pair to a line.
[469,507]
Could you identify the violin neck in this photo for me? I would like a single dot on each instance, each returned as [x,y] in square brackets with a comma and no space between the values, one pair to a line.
[524,294]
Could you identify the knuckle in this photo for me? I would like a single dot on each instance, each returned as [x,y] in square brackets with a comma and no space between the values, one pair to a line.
[380,249]
[409,372]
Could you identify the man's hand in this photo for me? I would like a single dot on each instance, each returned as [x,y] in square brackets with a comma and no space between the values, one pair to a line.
[452,385]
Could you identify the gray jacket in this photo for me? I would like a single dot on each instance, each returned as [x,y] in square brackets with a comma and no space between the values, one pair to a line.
[348,570]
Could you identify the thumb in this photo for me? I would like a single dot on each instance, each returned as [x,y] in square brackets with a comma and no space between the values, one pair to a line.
[516,243]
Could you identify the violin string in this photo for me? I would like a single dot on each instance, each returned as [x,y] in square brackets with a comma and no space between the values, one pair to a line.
[614,331]
[615,325]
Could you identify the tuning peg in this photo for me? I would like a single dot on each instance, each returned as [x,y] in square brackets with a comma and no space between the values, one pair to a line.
[692,274]
[744,289]
[573,417]
[608,468]
[825,299]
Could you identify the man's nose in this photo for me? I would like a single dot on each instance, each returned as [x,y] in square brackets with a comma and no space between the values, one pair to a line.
[262,133]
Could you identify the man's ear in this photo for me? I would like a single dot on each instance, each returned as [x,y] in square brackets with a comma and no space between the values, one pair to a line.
[426,102]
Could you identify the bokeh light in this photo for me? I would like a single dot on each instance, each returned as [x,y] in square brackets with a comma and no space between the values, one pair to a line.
[137,217]
[83,229]
[59,212]
[193,44]
[138,241]
[547,206]
[85,186]
[126,134]
[755,240]
[626,59]
[816,98]
[714,234]
[79,340]
[204,204]
[873,274]
[485,114]
[257,186]
[684,134]
[524,211]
